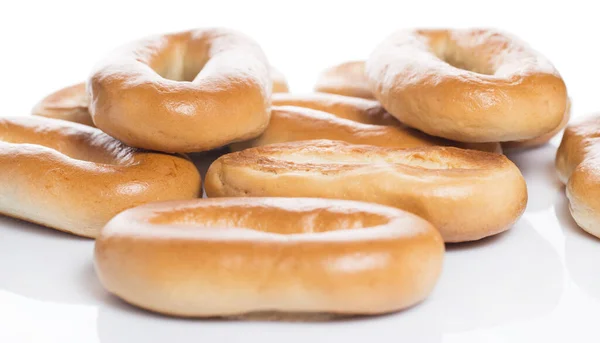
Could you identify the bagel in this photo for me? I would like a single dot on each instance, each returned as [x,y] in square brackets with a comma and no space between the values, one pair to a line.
[465,194]
[183,92]
[345,79]
[229,257]
[291,123]
[467,85]
[74,178]
[356,109]
[578,166]
[70,103]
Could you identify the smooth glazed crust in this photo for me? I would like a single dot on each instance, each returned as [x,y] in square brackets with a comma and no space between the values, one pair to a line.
[184,92]
[356,109]
[543,139]
[75,178]
[466,194]
[230,257]
[578,166]
[70,103]
[290,123]
[467,85]
[347,79]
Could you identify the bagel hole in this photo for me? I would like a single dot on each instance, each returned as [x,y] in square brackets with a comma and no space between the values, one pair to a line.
[179,62]
[461,58]
[272,220]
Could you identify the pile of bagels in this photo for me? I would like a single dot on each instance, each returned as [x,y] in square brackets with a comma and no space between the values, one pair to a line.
[335,202]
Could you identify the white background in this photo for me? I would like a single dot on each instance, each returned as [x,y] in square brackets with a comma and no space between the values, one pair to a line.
[538,282]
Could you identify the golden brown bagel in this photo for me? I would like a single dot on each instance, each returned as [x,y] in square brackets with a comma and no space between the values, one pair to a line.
[356,78]
[356,109]
[70,103]
[466,194]
[578,166]
[75,178]
[183,92]
[225,257]
[345,79]
[467,85]
[290,123]
[543,139]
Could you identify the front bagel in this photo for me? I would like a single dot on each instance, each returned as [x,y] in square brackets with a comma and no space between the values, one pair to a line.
[226,257]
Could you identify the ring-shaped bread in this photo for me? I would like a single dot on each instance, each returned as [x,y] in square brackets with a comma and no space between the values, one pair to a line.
[465,194]
[183,92]
[473,85]
[231,257]
[578,166]
[75,178]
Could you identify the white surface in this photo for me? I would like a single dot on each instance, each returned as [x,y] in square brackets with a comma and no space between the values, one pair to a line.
[538,282]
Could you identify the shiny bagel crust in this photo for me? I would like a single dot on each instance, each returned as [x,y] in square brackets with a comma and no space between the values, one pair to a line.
[291,123]
[473,85]
[578,166]
[347,78]
[237,256]
[69,103]
[543,139]
[183,92]
[465,194]
[75,178]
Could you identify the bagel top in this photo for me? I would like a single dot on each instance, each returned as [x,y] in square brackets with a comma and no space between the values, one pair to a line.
[183,92]
[74,178]
[474,85]
[347,78]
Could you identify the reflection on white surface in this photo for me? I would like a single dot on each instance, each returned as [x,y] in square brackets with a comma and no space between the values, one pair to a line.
[45,264]
[582,251]
[514,276]
[537,166]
